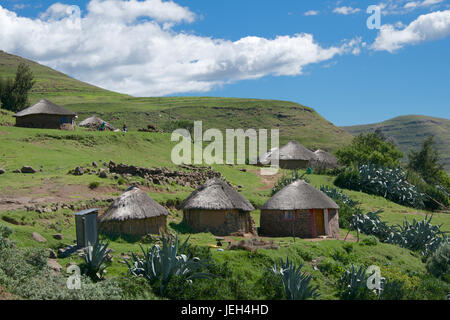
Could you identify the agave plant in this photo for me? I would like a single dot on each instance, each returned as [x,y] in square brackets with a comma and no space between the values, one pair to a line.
[353,284]
[371,224]
[335,194]
[296,285]
[161,264]
[95,257]
[418,236]
[391,184]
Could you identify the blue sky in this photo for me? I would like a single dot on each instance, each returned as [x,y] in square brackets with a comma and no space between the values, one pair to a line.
[353,83]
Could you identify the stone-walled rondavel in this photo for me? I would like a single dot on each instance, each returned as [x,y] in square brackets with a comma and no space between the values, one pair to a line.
[300,210]
[217,208]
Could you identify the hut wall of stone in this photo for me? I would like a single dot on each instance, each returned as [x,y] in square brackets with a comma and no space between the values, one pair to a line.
[294,164]
[45,121]
[219,222]
[136,227]
[298,223]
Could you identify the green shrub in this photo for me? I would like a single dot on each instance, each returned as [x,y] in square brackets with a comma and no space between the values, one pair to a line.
[353,285]
[94,185]
[369,241]
[438,264]
[392,290]
[121,181]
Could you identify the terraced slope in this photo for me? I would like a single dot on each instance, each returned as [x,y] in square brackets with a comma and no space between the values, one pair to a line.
[410,131]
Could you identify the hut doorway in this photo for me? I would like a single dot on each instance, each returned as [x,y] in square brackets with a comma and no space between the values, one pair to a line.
[320,222]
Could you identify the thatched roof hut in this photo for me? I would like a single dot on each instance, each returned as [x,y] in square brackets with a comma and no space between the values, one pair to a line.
[325,159]
[291,156]
[44,114]
[300,209]
[134,213]
[95,123]
[218,208]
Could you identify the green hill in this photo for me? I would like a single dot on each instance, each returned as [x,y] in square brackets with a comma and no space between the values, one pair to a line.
[295,121]
[410,131]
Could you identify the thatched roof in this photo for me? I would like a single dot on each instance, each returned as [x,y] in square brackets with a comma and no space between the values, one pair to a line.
[216,195]
[45,107]
[295,151]
[131,205]
[94,122]
[326,157]
[299,195]
[265,158]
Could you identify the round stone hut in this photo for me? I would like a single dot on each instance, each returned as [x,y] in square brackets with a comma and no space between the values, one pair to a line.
[217,208]
[299,210]
[134,213]
[45,114]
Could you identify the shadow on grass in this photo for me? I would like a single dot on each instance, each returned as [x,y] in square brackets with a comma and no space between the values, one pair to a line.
[181,227]
[116,237]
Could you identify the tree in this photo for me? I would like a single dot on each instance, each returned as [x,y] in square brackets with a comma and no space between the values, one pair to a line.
[370,148]
[14,94]
[426,162]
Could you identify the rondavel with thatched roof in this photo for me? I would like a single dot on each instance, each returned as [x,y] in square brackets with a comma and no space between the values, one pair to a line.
[95,123]
[325,160]
[134,213]
[291,156]
[217,208]
[300,210]
[45,114]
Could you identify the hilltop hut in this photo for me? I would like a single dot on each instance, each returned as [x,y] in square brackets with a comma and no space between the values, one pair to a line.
[95,123]
[300,210]
[134,213]
[292,156]
[45,114]
[325,160]
[217,208]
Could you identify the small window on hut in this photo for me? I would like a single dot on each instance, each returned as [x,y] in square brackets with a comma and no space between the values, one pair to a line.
[289,215]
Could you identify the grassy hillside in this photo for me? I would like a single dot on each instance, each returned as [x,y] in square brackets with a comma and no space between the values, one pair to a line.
[410,132]
[294,120]
[54,152]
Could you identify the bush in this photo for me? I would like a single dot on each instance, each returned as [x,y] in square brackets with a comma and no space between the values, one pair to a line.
[369,241]
[349,179]
[439,263]
[94,185]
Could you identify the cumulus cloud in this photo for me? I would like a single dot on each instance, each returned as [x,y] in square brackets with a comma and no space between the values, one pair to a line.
[311,13]
[346,10]
[126,46]
[432,26]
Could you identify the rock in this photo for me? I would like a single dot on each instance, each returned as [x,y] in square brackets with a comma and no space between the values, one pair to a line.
[54,265]
[103,174]
[243,170]
[94,164]
[37,237]
[52,254]
[27,169]
[2,171]
[16,171]
[79,171]
[58,236]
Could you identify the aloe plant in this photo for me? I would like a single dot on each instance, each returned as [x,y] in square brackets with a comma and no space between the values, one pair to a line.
[336,194]
[162,264]
[95,257]
[296,285]
[353,284]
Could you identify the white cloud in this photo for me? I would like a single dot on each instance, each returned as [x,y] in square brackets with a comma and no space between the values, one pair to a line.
[134,50]
[311,13]
[400,7]
[346,10]
[432,26]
